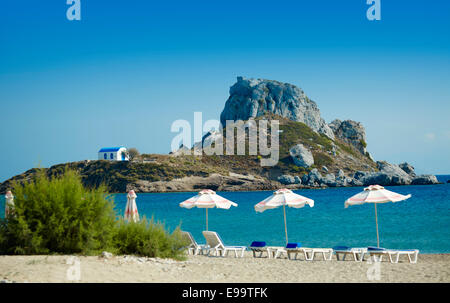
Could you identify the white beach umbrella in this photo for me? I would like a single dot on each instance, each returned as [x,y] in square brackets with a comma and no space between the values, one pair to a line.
[9,203]
[207,199]
[283,197]
[131,211]
[375,194]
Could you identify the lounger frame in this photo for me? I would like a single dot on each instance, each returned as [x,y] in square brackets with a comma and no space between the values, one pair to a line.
[217,246]
[194,248]
[260,251]
[394,255]
[356,252]
[308,253]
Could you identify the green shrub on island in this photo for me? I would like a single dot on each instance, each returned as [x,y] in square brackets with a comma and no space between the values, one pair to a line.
[321,159]
[148,238]
[59,215]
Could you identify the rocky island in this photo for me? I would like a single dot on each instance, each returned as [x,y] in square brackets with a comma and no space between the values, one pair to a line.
[312,154]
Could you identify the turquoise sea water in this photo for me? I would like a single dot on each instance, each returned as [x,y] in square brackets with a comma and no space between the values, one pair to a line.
[421,222]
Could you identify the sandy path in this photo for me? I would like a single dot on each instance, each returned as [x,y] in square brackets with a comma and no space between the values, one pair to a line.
[430,268]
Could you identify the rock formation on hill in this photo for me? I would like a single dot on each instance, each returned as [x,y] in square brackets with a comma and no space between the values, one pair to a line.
[301,155]
[351,132]
[250,98]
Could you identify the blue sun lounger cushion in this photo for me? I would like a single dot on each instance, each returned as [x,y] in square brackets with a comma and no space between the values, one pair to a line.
[373,248]
[258,244]
[293,245]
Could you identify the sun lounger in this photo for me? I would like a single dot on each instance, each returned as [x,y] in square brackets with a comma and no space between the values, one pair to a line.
[310,253]
[378,253]
[356,252]
[216,245]
[272,251]
[392,254]
[194,247]
[411,253]
[259,247]
[290,248]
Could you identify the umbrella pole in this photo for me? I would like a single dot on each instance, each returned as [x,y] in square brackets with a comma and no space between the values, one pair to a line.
[206,219]
[285,225]
[376,222]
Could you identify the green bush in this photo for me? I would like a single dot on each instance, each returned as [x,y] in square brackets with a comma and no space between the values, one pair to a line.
[57,215]
[148,238]
[322,159]
[347,148]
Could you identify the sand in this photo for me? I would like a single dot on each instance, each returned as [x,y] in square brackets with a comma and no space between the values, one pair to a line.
[429,268]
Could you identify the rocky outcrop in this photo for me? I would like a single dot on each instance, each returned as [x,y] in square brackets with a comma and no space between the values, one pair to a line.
[389,174]
[301,155]
[251,98]
[342,180]
[407,168]
[425,180]
[314,178]
[217,182]
[394,173]
[351,132]
[329,180]
[288,179]
[379,178]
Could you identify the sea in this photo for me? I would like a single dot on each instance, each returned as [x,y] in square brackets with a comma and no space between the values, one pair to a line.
[420,222]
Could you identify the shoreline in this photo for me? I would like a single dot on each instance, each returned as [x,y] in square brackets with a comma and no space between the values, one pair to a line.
[264,190]
[275,188]
[60,269]
[165,177]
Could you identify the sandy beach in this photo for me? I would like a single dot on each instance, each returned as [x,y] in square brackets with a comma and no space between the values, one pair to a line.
[429,268]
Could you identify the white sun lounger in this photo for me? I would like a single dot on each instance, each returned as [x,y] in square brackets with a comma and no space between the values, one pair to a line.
[411,253]
[308,253]
[288,251]
[278,251]
[216,245]
[392,254]
[273,250]
[194,248]
[356,252]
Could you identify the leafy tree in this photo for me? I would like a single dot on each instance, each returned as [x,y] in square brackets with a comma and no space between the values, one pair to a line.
[133,153]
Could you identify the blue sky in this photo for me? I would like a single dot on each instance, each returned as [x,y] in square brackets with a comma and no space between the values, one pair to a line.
[128,69]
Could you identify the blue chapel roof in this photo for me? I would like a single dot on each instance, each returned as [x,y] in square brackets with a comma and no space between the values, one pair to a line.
[110,149]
